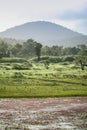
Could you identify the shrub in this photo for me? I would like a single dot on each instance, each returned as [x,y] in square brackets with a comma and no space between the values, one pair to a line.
[17,75]
[55,59]
[69,59]
[12,60]
[26,66]
[64,63]
[17,66]
[44,57]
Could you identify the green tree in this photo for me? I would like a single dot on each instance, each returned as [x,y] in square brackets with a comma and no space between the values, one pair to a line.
[3,49]
[83,58]
[16,49]
[28,48]
[38,50]
[46,50]
[56,50]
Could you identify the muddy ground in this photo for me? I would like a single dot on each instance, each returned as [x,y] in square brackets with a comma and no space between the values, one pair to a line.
[44,114]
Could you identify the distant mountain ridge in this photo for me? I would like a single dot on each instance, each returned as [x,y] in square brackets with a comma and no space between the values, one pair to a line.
[46,33]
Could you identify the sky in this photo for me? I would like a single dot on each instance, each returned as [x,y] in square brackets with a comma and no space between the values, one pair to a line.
[68,13]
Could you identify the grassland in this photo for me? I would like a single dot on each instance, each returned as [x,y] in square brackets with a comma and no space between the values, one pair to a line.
[35,80]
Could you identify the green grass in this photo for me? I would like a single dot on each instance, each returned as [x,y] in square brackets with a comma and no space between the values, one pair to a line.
[59,80]
[40,88]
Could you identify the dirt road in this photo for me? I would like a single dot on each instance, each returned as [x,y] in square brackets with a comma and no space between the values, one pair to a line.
[43,114]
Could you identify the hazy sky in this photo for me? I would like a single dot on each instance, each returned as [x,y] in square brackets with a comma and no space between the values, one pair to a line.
[69,13]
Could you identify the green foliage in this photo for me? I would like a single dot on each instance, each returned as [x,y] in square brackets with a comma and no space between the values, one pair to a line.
[16,49]
[31,48]
[55,59]
[1,54]
[46,63]
[59,50]
[12,60]
[4,51]
[25,66]
[18,66]
[38,50]
[18,75]
[28,48]
[82,57]
[69,59]
[21,78]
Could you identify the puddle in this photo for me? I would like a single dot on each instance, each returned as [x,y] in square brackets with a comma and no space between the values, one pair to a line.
[38,127]
[7,111]
[61,108]
[67,126]
[62,126]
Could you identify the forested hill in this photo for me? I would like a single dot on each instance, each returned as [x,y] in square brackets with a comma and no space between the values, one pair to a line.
[46,33]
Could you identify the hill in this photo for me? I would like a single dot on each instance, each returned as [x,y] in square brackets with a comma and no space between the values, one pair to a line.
[46,33]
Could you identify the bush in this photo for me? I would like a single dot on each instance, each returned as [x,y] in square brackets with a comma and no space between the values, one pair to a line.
[65,63]
[69,59]
[17,66]
[12,60]
[26,66]
[1,55]
[44,57]
[17,75]
[55,59]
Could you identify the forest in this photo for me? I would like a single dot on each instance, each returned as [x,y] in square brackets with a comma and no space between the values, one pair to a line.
[27,49]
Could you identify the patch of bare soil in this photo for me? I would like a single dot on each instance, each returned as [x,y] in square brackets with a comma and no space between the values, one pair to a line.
[43,114]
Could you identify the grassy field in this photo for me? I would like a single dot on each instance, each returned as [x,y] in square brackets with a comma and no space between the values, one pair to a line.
[34,80]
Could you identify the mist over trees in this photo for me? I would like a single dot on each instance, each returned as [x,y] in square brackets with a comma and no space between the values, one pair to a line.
[31,48]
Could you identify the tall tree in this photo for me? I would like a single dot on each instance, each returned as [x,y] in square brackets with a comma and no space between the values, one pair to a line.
[83,58]
[38,50]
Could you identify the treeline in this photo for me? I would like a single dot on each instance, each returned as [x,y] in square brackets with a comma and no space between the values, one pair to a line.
[31,48]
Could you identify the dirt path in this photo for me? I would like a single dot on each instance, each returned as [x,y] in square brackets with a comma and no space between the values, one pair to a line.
[43,114]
